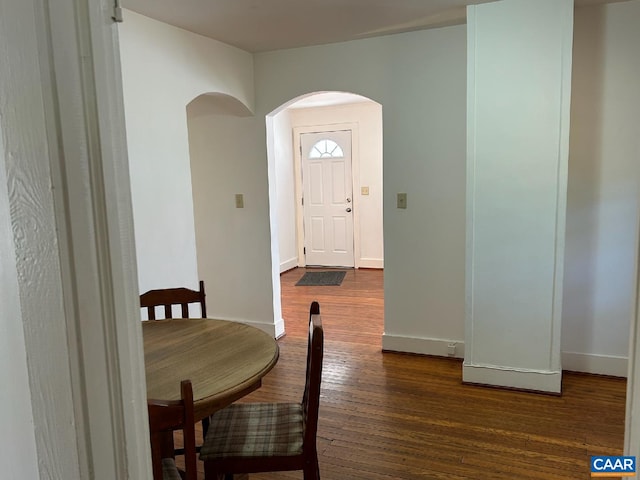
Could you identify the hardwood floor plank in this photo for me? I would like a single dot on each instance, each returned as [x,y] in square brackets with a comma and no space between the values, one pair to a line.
[390,416]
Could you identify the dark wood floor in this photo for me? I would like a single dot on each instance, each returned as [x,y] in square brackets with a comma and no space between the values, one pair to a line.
[394,416]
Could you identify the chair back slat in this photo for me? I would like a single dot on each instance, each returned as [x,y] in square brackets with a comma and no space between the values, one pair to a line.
[167,297]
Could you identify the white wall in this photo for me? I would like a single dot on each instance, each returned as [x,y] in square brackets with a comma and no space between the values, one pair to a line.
[233,244]
[419,79]
[367,118]
[602,206]
[164,68]
[285,189]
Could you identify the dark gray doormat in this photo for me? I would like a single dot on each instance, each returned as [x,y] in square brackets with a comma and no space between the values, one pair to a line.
[312,279]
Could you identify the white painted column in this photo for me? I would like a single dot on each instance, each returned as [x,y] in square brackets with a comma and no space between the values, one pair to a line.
[518,93]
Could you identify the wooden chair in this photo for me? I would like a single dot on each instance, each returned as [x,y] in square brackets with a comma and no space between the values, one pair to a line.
[164,418]
[168,297]
[270,437]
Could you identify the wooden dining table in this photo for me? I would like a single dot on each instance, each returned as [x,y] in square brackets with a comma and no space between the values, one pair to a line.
[224,360]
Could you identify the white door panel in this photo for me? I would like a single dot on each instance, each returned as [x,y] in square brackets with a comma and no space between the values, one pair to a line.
[327,198]
[317,234]
[339,234]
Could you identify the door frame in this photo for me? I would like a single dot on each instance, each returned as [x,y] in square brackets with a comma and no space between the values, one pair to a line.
[76,318]
[355,179]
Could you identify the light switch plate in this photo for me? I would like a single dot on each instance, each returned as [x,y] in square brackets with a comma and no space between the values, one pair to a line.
[239,200]
[364,190]
[402,200]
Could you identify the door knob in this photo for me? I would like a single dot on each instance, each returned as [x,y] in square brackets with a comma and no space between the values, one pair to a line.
[348,209]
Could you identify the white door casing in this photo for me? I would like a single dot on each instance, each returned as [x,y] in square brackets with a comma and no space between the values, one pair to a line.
[327,198]
[69,247]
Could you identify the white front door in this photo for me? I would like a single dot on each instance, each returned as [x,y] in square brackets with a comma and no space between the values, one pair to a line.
[327,198]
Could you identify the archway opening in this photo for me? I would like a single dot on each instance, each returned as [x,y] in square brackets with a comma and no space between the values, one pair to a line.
[324,112]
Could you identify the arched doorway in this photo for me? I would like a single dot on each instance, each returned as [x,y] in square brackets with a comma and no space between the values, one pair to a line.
[316,113]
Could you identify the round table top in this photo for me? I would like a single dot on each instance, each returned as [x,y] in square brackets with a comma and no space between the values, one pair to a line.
[222,359]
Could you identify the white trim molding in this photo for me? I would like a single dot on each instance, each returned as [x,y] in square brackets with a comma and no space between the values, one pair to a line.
[377,263]
[424,346]
[595,364]
[571,361]
[275,330]
[35,329]
[19,443]
[288,264]
[632,416]
[524,379]
[279,328]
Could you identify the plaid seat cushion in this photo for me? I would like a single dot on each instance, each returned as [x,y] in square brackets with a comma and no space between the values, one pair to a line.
[169,470]
[254,430]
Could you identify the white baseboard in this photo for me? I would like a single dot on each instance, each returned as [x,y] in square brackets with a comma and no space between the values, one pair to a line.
[371,263]
[275,330]
[597,364]
[424,346]
[572,361]
[279,328]
[288,264]
[535,380]
[376,263]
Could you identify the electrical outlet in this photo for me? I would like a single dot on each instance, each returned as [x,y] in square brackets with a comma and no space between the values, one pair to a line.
[451,349]
[239,200]
[402,200]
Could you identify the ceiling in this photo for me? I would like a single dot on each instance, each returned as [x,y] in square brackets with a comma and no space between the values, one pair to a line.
[264,25]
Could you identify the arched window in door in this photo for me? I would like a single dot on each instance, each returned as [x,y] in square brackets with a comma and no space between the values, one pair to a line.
[326,149]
